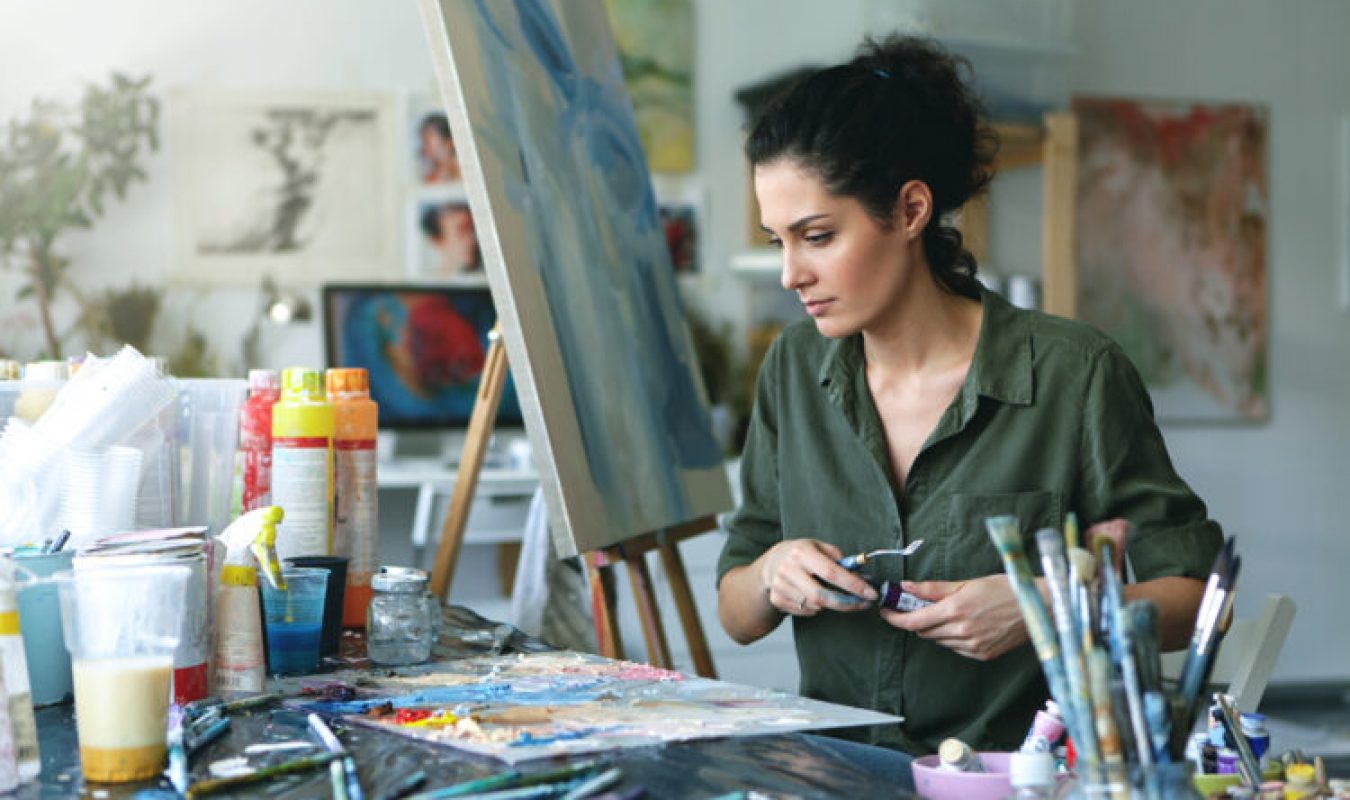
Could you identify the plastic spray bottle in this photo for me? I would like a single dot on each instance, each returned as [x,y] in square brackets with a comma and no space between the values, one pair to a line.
[302,464]
[19,694]
[255,440]
[355,523]
[249,543]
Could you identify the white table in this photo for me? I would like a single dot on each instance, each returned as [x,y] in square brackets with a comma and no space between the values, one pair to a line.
[500,501]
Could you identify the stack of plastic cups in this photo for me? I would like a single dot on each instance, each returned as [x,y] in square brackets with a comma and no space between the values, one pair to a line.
[208,434]
[99,492]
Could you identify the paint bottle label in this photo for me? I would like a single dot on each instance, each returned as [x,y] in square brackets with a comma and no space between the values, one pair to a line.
[9,767]
[302,465]
[300,486]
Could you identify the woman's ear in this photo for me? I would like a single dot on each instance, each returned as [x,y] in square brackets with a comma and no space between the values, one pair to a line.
[914,208]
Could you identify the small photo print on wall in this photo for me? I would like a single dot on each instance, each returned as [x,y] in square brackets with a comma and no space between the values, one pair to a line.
[444,244]
[435,161]
[679,222]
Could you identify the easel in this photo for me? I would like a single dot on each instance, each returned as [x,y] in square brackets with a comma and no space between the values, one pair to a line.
[599,563]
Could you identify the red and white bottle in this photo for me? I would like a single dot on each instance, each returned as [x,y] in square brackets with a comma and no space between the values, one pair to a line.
[255,439]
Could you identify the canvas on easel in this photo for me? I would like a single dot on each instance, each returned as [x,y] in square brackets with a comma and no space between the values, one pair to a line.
[579,269]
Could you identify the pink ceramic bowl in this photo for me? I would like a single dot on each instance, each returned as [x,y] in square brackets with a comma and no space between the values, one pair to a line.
[934,783]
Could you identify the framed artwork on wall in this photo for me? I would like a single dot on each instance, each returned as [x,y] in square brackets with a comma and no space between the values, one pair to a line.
[1172,228]
[298,185]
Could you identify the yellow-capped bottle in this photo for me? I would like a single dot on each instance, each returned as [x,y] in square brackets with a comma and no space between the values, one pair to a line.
[302,464]
[355,523]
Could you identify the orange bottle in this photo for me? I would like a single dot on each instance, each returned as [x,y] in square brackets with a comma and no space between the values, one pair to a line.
[355,526]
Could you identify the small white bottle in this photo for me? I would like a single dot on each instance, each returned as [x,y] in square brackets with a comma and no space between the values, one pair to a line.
[19,694]
[1032,775]
[9,768]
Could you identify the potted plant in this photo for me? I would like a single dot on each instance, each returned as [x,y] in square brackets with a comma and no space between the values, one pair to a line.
[57,168]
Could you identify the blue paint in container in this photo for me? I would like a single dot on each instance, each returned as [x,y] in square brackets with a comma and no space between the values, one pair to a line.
[293,620]
[292,648]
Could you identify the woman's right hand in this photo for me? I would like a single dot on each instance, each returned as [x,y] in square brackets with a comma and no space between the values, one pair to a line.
[800,578]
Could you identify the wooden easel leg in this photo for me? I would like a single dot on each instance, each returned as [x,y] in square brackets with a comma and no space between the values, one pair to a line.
[684,604]
[601,578]
[491,382]
[658,650]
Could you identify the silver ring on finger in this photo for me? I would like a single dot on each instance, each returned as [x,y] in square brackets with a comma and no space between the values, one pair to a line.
[801,604]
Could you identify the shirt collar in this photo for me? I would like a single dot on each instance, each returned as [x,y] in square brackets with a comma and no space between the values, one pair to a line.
[999,370]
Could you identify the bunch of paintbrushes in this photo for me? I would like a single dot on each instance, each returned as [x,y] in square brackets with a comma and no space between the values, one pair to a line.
[1100,654]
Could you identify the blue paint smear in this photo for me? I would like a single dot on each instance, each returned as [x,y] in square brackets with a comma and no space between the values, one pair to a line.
[544,693]
[581,183]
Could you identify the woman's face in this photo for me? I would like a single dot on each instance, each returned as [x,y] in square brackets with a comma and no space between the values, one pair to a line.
[846,268]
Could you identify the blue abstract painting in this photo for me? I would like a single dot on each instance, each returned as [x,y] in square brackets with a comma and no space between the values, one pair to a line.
[578,265]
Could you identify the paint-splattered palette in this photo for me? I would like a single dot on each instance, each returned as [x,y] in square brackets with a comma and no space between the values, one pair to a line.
[535,705]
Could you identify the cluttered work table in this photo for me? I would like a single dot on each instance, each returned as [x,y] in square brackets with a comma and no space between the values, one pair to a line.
[278,732]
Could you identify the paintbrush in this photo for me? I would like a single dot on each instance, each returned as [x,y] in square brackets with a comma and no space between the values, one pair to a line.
[1103,714]
[590,786]
[1050,542]
[1004,533]
[1210,625]
[59,542]
[857,560]
[1120,639]
[1248,766]
[344,773]
[302,764]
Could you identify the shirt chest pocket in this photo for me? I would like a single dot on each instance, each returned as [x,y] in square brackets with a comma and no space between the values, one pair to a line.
[969,552]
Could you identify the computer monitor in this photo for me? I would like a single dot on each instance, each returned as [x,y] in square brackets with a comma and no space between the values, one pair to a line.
[424,347]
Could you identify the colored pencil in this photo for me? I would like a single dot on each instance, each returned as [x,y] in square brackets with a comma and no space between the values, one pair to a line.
[590,786]
[303,764]
[511,779]
[405,787]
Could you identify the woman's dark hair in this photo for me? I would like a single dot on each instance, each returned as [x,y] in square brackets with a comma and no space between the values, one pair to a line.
[901,110]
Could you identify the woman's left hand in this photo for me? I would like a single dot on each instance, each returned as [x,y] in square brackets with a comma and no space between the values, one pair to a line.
[978,618]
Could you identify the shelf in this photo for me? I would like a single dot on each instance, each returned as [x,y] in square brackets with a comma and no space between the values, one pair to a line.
[761,263]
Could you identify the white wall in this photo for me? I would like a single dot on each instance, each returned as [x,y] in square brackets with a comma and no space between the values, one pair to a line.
[1277,485]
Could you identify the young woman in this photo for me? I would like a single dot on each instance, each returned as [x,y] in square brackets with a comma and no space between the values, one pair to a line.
[912,405]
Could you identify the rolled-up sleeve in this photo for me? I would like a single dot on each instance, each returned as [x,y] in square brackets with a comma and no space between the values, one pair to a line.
[756,525]
[1128,475]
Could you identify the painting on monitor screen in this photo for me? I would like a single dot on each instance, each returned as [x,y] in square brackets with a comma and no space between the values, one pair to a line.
[424,347]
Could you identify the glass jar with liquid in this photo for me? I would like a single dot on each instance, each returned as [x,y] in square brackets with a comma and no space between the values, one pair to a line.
[399,627]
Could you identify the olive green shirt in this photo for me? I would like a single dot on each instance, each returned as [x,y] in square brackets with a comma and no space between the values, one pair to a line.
[1052,417]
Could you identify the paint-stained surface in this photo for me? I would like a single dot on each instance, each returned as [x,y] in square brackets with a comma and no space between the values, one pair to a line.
[1171,248]
[578,265]
[537,705]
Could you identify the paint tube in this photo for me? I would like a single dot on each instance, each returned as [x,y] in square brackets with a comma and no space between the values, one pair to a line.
[1046,729]
[896,599]
[9,767]
[18,694]
[955,755]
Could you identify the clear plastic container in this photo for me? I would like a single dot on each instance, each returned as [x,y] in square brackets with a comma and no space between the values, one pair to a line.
[399,626]
[1163,782]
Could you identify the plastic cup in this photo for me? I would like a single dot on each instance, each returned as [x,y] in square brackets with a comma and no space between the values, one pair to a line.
[209,433]
[121,626]
[333,597]
[40,625]
[294,620]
